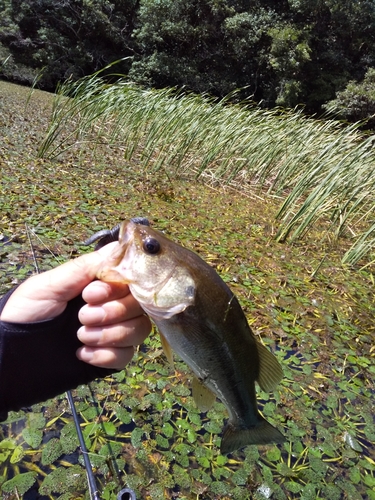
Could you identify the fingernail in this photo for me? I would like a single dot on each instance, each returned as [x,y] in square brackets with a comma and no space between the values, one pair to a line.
[85,354]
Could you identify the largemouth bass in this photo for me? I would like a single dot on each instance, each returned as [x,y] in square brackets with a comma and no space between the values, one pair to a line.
[199,318]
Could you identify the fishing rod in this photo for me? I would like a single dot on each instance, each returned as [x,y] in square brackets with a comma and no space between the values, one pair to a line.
[124,494]
[94,492]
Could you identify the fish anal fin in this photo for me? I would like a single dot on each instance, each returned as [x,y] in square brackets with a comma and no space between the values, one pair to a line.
[270,371]
[204,398]
[167,349]
[235,438]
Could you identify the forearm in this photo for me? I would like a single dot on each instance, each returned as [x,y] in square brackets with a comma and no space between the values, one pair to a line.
[38,360]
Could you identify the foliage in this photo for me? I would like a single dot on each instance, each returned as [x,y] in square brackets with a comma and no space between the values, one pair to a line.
[290,50]
[276,52]
[66,39]
[207,46]
[324,171]
[357,101]
[141,425]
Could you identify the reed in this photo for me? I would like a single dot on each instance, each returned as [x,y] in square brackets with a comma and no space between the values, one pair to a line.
[322,170]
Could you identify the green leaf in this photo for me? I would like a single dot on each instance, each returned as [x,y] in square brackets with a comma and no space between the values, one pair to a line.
[62,479]
[36,420]
[191,435]
[17,455]
[221,460]
[136,437]
[355,475]
[51,451]
[273,454]
[293,486]
[20,483]
[8,444]
[162,442]
[123,414]
[109,428]
[68,438]
[204,462]
[168,429]
[33,437]
[369,480]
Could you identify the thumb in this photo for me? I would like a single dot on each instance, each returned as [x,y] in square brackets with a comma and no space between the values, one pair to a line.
[45,295]
[66,281]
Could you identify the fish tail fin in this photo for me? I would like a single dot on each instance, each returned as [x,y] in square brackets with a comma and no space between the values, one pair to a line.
[263,432]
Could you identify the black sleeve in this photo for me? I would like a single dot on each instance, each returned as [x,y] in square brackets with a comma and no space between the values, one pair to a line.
[38,360]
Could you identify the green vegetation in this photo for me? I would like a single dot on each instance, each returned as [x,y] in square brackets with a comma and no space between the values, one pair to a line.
[285,53]
[322,170]
[357,101]
[141,425]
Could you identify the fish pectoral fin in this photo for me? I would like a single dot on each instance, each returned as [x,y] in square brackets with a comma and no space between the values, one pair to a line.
[270,371]
[204,398]
[167,349]
[263,432]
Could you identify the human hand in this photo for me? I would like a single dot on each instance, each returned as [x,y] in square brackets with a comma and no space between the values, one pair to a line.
[108,340]
[113,322]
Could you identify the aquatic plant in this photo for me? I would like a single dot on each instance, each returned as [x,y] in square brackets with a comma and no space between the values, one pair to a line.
[141,425]
[322,170]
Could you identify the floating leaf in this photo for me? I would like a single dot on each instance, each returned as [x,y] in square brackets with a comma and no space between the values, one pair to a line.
[293,487]
[204,462]
[33,437]
[109,428]
[273,454]
[369,480]
[168,430]
[20,483]
[17,454]
[352,442]
[61,480]
[68,438]
[123,414]
[8,444]
[136,437]
[51,451]
[162,442]
[355,475]
[36,420]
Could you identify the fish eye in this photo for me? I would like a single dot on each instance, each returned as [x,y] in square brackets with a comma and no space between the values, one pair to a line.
[151,246]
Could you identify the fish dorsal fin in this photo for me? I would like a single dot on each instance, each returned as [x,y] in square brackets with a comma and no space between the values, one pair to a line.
[204,398]
[167,349]
[270,371]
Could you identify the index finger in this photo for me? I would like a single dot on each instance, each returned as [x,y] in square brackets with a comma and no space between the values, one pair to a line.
[98,292]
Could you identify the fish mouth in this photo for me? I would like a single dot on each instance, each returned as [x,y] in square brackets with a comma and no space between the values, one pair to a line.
[126,239]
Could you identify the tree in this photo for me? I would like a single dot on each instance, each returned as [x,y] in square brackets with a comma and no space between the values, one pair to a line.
[69,38]
[357,101]
[279,52]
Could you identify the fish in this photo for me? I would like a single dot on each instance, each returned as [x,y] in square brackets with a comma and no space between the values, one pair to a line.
[200,319]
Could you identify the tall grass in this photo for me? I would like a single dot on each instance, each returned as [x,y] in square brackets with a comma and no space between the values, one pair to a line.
[323,170]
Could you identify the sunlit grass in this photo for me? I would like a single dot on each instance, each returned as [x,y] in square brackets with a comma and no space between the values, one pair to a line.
[323,171]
